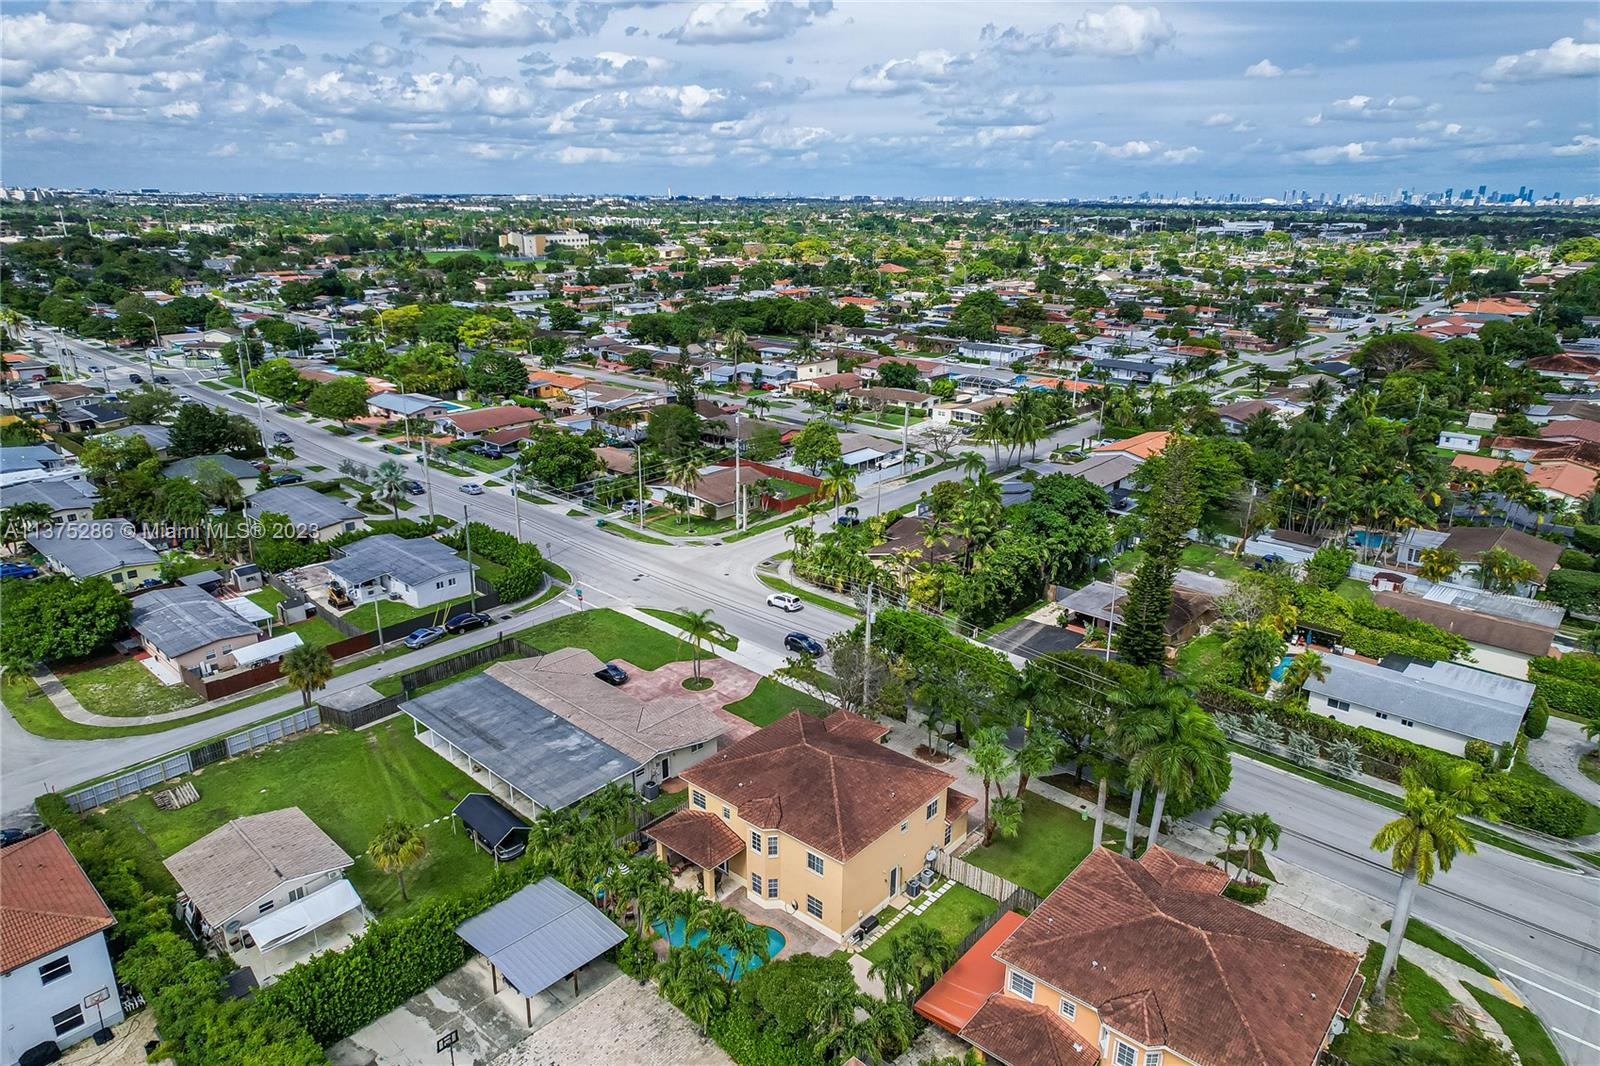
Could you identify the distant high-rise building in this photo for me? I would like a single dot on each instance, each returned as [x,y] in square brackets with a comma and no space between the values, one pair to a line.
[1449,194]
[1482,189]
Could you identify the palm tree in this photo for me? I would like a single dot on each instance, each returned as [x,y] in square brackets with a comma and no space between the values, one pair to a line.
[1437,564]
[897,969]
[973,464]
[389,484]
[748,944]
[993,427]
[1425,839]
[1302,668]
[307,667]
[692,982]
[1006,818]
[1039,754]
[1189,753]
[397,847]
[934,954]
[1232,825]
[1135,723]
[838,481]
[697,628]
[1260,830]
[20,519]
[1501,571]
[992,760]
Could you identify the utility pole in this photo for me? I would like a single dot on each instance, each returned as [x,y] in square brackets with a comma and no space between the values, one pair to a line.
[427,480]
[866,657]
[638,467]
[472,580]
[155,333]
[516,501]
[738,480]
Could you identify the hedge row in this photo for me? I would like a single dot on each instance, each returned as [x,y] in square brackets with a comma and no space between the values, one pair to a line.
[1570,684]
[1376,631]
[1530,806]
[524,565]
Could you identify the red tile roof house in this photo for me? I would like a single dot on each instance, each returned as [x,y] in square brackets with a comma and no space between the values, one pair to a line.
[1132,962]
[475,423]
[53,954]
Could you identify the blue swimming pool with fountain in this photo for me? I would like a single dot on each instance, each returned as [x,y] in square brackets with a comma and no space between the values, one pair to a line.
[1282,667]
[674,936]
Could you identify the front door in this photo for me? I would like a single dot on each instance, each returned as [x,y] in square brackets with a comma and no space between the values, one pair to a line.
[894,882]
[664,774]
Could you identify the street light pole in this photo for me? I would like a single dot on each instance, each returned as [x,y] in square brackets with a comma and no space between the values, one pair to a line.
[155,333]
[738,481]
[516,500]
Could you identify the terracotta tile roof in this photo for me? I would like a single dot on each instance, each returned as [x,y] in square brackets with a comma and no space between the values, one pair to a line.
[1019,1033]
[1152,943]
[834,791]
[699,836]
[850,724]
[1144,445]
[1137,1015]
[492,418]
[957,803]
[1570,429]
[957,996]
[46,901]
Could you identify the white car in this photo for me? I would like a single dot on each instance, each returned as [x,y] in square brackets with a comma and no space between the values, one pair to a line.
[787,602]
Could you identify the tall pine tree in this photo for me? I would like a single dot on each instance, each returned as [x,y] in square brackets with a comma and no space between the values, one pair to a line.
[1171,508]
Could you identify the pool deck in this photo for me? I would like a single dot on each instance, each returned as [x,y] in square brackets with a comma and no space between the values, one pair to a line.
[799,938]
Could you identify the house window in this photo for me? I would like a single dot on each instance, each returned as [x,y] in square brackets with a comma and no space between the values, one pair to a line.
[1069,1009]
[772,845]
[68,1019]
[814,906]
[297,893]
[438,584]
[452,581]
[772,888]
[1022,985]
[933,810]
[814,862]
[755,842]
[55,970]
[1338,705]
[698,799]
[1152,1058]
[265,907]
[904,826]
[1125,1055]
[1381,715]
[1407,721]
[755,884]
[947,833]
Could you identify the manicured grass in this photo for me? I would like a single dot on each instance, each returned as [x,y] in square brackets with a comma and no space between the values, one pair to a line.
[929,471]
[315,631]
[1236,858]
[1384,799]
[1052,842]
[676,620]
[1201,658]
[778,584]
[393,612]
[1206,559]
[391,686]
[667,802]
[126,689]
[557,572]
[771,700]
[1589,765]
[954,914]
[750,531]
[266,597]
[398,776]
[1412,1026]
[1351,589]
[665,520]
[628,532]
[609,635]
[1425,935]
[1528,772]
[1526,1033]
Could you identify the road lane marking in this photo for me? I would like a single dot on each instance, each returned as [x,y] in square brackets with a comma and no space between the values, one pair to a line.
[1535,967]
[1575,1039]
[1553,992]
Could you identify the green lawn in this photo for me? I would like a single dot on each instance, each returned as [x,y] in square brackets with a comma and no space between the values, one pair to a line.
[125,689]
[771,700]
[665,520]
[1206,559]
[266,597]
[1527,1034]
[1425,935]
[778,584]
[955,914]
[1053,840]
[609,635]
[1351,589]
[315,631]
[392,612]
[676,620]
[1412,1026]
[1200,658]
[398,777]
[667,802]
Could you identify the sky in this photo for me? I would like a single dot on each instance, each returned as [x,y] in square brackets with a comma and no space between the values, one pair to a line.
[803,97]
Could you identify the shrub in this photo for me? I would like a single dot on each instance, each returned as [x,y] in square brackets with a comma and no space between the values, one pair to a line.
[1247,892]
[1570,684]
[635,957]
[1571,559]
[1587,538]
[1482,753]
[525,567]
[1534,807]
[1576,590]
[1329,566]
[740,1032]
[1538,719]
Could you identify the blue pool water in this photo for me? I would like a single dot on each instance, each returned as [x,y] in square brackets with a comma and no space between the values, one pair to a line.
[1282,667]
[674,936]
[1367,538]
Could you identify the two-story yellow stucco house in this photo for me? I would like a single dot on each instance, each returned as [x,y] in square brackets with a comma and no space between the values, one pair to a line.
[815,817]
[1144,963]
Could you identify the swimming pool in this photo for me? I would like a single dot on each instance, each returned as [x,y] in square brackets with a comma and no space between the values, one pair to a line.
[1282,667]
[1367,538]
[674,936]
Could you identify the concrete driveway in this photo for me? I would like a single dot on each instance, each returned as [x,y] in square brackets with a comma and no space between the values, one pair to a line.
[622,1024]
[1557,753]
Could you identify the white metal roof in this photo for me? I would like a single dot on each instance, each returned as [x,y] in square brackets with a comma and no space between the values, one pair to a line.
[267,649]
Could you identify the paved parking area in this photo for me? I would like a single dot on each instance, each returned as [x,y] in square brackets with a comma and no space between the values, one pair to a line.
[623,1024]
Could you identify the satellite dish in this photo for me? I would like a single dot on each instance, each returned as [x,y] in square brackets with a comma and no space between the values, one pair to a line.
[933,853]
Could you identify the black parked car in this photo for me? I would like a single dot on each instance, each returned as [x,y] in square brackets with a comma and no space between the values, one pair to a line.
[612,674]
[466,620]
[803,644]
[288,479]
[415,488]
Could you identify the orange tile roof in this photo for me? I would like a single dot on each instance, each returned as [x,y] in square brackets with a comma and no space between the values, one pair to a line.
[1494,307]
[46,901]
[893,268]
[1144,445]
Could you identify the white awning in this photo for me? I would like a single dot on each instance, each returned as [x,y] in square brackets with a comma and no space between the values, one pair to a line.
[247,609]
[278,927]
[266,650]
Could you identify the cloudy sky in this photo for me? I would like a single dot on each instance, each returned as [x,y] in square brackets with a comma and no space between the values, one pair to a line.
[789,96]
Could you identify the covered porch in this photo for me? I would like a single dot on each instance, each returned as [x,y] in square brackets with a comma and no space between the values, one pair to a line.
[697,844]
[327,920]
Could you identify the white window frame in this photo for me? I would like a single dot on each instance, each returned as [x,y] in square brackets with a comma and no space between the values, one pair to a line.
[297,893]
[1069,1009]
[772,846]
[814,911]
[1338,705]
[933,810]
[815,863]
[755,884]
[697,799]
[1021,984]
[55,969]
[755,841]
[1117,1058]
[1152,1058]
[772,888]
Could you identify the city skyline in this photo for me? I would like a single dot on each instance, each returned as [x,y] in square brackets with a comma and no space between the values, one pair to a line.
[808,99]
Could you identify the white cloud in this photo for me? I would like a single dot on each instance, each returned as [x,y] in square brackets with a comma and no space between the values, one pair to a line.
[1349,44]
[1394,108]
[1187,154]
[573,155]
[603,70]
[1361,151]
[224,151]
[743,21]
[1126,150]
[927,71]
[1582,144]
[338,135]
[1117,32]
[495,23]
[1566,58]
[1221,118]
[1011,109]
[377,55]
[1264,69]
[182,109]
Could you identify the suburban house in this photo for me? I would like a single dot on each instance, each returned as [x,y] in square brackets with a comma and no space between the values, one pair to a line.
[246,474]
[91,417]
[158,437]
[829,856]
[819,367]
[106,547]
[1558,478]
[20,367]
[1112,471]
[1503,641]
[393,405]
[54,962]
[1236,415]
[967,412]
[1459,440]
[312,515]
[868,451]
[260,882]
[907,534]
[1440,705]
[1288,545]
[1142,962]
[472,423]
[1141,446]
[69,501]
[186,628]
[419,571]
[713,494]
[1100,604]
[32,462]
[1469,542]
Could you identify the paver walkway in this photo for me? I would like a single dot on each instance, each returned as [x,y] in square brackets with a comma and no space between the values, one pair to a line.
[625,1024]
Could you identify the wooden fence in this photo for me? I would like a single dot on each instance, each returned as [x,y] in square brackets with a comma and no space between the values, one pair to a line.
[980,880]
[1020,900]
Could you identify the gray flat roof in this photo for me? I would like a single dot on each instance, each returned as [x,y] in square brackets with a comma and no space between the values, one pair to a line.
[1447,696]
[303,506]
[412,561]
[540,935]
[159,437]
[57,495]
[179,620]
[85,549]
[27,457]
[524,743]
[187,467]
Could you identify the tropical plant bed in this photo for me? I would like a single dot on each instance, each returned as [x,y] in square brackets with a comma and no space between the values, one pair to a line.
[1418,1022]
[1248,892]
[697,684]
[1258,864]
